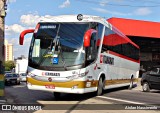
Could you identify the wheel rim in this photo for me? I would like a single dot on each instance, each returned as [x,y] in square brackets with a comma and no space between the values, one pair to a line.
[131,83]
[100,87]
[145,87]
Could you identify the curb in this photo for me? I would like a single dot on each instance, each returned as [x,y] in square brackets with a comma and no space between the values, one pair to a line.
[138,87]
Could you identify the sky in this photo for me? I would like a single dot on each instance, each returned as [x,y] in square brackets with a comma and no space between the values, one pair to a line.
[24,14]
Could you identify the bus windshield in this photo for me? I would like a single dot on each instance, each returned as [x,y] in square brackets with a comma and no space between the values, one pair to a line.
[58,46]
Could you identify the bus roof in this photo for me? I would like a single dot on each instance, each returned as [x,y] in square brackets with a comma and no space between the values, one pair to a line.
[74,18]
[125,37]
[85,18]
[71,18]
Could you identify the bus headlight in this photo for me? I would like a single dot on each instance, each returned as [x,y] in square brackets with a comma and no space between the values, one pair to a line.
[31,74]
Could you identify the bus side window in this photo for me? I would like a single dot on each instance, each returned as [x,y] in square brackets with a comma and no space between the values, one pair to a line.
[100,30]
[36,49]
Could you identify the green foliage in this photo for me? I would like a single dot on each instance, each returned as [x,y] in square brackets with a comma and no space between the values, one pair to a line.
[9,65]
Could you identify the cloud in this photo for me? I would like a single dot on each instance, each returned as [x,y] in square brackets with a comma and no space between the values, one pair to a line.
[142,11]
[13,41]
[101,10]
[19,50]
[103,2]
[29,19]
[65,4]
[13,29]
[12,32]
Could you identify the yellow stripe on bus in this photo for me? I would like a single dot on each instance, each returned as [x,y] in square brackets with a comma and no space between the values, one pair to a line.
[70,84]
[79,84]
[119,81]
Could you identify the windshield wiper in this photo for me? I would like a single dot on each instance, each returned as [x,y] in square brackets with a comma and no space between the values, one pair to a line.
[49,48]
[63,61]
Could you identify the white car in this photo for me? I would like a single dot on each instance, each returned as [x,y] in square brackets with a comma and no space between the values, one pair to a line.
[23,77]
[12,78]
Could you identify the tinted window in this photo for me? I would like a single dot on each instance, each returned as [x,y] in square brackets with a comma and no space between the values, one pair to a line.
[119,44]
[15,75]
[100,30]
[155,71]
[23,74]
[8,75]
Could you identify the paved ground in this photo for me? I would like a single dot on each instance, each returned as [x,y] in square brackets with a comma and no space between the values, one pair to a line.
[20,94]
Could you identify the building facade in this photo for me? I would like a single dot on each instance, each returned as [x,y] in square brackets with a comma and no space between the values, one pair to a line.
[21,65]
[8,51]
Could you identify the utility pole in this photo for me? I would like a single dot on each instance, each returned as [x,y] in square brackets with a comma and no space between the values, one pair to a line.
[2,22]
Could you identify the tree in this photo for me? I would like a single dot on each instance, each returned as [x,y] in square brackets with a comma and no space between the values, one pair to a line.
[9,65]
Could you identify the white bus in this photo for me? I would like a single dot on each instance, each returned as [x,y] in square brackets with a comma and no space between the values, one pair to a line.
[80,54]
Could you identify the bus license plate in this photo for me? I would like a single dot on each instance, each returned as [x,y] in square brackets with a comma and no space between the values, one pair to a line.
[50,86]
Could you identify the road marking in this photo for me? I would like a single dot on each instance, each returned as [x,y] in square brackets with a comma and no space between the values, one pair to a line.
[132,102]
[2,101]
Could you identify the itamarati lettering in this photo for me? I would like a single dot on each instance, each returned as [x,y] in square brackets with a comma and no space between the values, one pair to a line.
[108,60]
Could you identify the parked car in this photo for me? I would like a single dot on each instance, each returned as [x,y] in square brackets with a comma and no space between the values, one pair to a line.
[151,79]
[23,77]
[12,78]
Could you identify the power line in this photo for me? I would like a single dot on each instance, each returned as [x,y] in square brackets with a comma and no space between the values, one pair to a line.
[145,1]
[122,5]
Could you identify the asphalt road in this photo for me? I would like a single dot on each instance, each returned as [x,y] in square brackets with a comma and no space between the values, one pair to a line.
[21,95]
[135,95]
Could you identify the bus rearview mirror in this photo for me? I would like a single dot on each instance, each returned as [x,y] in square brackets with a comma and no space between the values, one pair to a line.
[23,33]
[87,37]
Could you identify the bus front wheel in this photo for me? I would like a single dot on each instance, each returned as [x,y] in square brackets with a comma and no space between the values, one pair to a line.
[100,87]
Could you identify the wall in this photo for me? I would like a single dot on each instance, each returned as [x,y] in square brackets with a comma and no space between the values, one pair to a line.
[21,66]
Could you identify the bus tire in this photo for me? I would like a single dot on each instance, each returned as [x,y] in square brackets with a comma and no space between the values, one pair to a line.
[100,87]
[131,84]
[57,95]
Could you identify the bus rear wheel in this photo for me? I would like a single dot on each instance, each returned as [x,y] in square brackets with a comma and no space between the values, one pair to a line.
[131,84]
[100,87]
